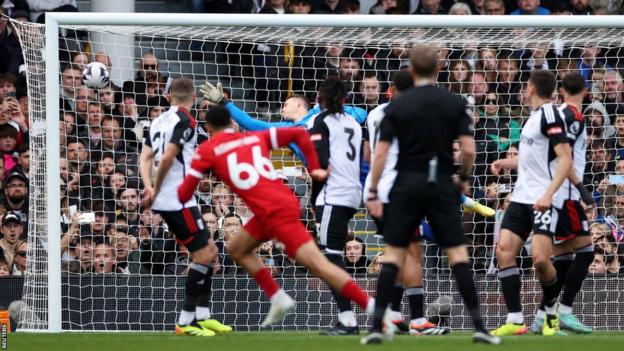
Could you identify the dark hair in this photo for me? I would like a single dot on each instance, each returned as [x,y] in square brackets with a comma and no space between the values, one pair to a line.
[74,140]
[402,80]
[8,78]
[397,10]
[345,6]
[232,215]
[71,66]
[109,118]
[544,82]
[351,237]
[331,94]
[218,117]
[156,101]
[7,130]
[573,83]
[208,209]
[22,148]
[424,60]
[98,207]
[127,187]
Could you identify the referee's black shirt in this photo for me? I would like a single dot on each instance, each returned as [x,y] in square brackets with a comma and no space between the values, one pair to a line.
[426,120]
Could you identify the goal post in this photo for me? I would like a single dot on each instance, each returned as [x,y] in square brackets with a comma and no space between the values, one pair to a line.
[48,293]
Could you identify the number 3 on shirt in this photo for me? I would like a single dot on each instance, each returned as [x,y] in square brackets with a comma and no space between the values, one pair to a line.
[261,166]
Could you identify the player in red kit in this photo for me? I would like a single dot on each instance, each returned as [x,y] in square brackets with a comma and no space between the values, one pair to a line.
[242,162]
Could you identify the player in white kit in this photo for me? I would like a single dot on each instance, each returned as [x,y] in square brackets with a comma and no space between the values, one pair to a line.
[170,145]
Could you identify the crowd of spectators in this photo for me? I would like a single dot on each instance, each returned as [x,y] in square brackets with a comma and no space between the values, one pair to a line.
[105,230]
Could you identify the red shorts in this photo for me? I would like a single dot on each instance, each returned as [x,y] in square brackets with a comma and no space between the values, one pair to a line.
[283,226]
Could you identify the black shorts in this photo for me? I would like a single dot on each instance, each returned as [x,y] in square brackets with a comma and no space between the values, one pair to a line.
[417,236]
[412,198]
[572,222]
[188,227]
[522,219]
[333,227]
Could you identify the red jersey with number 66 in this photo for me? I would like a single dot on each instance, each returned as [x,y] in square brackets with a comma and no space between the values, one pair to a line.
[242,162]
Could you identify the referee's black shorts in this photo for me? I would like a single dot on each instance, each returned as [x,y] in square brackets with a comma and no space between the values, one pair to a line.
[411,199]
[188,227]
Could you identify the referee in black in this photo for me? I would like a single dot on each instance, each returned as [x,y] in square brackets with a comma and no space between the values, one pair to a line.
[425,120]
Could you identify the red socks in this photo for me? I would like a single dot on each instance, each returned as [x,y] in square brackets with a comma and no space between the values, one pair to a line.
[266,282]
[354,293]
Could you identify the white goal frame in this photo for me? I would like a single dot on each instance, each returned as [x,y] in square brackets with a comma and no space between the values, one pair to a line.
[55,20]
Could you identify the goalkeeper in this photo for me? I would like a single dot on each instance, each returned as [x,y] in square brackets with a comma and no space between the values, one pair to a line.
[295,112]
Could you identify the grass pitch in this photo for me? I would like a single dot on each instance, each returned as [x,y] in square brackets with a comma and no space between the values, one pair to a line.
[300,341]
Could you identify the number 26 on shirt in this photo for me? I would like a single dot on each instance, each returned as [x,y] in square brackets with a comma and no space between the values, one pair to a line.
[261,167]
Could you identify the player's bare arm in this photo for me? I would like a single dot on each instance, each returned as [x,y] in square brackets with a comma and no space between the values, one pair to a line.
[586,196]
[502,164]
[372,202]
[564,153]
[146,160]
[171,151]
[468,156]
[366,155]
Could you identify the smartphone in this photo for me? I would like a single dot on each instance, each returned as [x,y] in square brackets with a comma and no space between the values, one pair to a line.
[10,94]
[86,218]
[616,179]
[72,210]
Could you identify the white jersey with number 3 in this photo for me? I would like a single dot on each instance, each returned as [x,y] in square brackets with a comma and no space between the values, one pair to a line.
[341,137]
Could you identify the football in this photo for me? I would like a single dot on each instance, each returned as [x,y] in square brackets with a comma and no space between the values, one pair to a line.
[95,75]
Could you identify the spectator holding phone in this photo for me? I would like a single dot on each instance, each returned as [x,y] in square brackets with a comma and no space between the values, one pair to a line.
[265,251]
[11,113]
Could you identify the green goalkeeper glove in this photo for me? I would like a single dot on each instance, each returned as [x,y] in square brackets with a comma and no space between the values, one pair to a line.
[212,93]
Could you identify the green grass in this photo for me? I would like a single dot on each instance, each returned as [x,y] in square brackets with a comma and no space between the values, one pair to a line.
[294,341]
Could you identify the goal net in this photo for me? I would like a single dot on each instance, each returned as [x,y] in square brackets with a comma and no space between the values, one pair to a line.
[124,271]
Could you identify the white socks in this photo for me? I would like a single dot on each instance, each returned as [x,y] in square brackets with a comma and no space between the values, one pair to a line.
[540,314]
[515,318]
[418,321]
[347,318]
[280,296]
[202,313]
[370,306]
[563,309]
[552,310]
[186,317]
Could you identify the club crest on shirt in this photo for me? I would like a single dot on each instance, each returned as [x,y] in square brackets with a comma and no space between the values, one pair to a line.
[575,127]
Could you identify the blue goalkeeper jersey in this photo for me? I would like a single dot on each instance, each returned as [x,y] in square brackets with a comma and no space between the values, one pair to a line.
[249,123]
